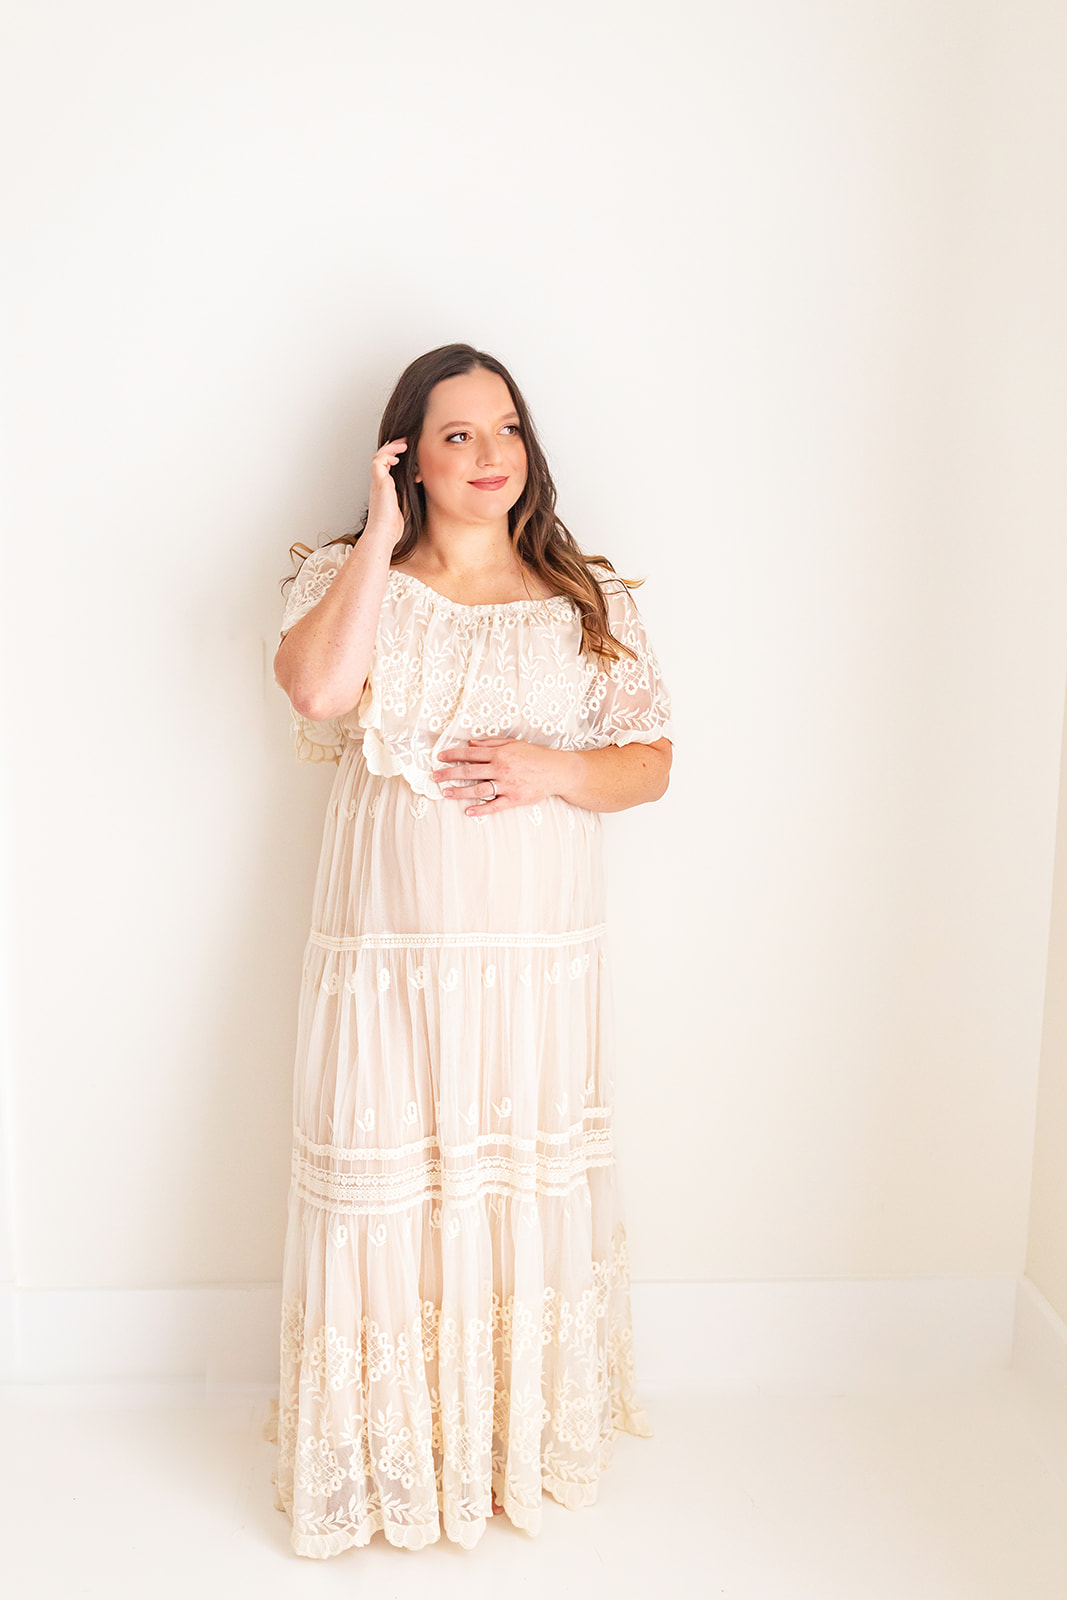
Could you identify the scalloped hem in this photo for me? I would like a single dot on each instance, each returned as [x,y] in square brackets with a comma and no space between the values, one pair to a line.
[631,1419]
[320,1546]
[627,736]
[330,748]
[381,763]
[567,1493]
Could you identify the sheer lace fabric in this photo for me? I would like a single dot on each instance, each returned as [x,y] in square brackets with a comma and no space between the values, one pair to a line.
[456,1315]
[443,672]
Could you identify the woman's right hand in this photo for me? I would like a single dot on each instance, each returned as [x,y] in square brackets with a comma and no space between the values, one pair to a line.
[383,511]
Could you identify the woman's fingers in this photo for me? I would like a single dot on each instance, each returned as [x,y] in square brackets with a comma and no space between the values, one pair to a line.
[501,803]
[389,454]
[482,802]
[467,753]
[463,772]
[383,508]
[470,789]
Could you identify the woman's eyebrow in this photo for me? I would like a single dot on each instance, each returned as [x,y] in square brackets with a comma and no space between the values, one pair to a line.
[462,424]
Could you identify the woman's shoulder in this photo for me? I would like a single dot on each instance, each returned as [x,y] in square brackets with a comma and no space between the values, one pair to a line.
[312,579]
[327,557]
[319,566]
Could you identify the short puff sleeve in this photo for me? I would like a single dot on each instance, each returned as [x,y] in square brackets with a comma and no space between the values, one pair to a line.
[632,702]
[315,741]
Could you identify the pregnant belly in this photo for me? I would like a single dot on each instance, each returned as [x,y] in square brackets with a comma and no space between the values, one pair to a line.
[396,862]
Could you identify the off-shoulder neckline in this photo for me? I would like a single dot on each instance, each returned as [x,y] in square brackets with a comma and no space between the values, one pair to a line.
[443,602]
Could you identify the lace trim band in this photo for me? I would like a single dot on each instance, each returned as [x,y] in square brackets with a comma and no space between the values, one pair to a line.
[338,1180]
[447,941]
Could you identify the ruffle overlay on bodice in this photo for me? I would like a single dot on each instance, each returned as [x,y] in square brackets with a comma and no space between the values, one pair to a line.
[443,672]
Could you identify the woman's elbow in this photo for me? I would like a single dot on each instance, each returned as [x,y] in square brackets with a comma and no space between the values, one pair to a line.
[664,752]
[309,706]
[319,705]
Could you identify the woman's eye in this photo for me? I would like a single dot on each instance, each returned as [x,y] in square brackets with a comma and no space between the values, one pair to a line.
[509,427]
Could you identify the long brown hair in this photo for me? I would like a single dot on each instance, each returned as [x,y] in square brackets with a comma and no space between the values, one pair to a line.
[541,541]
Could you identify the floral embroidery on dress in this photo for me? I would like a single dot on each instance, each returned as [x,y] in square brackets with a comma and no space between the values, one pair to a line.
[535,1394]
[443,672]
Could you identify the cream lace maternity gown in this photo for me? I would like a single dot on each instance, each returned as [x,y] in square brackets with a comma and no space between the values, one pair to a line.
[456,1307]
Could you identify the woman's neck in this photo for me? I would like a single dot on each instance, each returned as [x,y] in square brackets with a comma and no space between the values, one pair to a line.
[473,565]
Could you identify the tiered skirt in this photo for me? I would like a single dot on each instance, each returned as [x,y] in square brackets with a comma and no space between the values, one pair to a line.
[456,1309]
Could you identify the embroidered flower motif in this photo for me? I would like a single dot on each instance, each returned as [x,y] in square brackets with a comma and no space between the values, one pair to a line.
[411,1113]
[380,1350]
[352,982]
[504,1108]
[489,976]
[332,1359]
[418,806]
[366,1122]
[553,973]
[317,1469]
[383,979]
[385,1419]
[330,983]
[378,1234]
[417,979]
[340,1234]
[536,815]
[449,979]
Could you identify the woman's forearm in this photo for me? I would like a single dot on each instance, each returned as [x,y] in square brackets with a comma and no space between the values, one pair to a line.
[615,778]
[323,661]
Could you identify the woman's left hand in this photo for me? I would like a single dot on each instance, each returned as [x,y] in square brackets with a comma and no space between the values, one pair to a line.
[523,773]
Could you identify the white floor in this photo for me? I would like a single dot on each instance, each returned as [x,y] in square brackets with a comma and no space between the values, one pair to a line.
[949,1494]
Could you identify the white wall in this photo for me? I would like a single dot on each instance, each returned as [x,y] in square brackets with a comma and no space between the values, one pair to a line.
[760,271]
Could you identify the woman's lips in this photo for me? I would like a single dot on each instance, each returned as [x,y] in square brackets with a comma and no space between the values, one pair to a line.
[487,483]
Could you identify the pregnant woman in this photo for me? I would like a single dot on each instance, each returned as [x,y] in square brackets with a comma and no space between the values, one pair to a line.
[456,1332]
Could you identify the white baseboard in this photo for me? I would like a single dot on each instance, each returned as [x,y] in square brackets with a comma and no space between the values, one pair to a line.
[819,1334]
[220,1343]
[214,1337]
[1039,1361]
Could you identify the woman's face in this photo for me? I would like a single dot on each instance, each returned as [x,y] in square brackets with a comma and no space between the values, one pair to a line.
[471,455]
